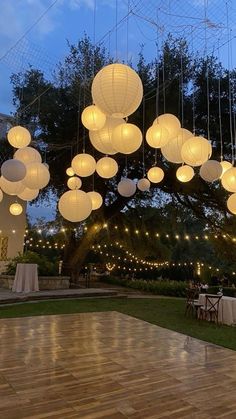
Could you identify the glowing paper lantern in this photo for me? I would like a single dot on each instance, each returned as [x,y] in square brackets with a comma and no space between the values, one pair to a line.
[16,209]
[75,205]
[96,199]
[93,118]
[155,174]
[211,170]
[1,196]
[185,173]
[126,138]
[143,184]
[229,180]
[226,165]
[28,155]
[83,164]
[19,137]
[37,176]
[102,139]
[11,188]
[28,194]
[231,203]
[13,170]
[157,136]
[196,151]
[117,90]
[74,182]
[170,122]
[70,171]
[126,187]
[172,150]
[106,167]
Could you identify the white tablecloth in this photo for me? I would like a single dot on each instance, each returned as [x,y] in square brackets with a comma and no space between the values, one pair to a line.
[26,278]
[227,309]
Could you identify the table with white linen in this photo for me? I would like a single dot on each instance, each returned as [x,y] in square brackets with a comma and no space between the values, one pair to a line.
[227,309]
[26,278]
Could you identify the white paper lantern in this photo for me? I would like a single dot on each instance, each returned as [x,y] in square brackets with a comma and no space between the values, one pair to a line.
[231,203]
[37,176]
[28,194]
[28,155]
[185,173]
[143,184]
[96,199]
[229,180]
[196,151]
[226,165]
[83,164]
[126,138]
[102,139]
[106,167]
[70,171]
[155,174]
[1,195]
[93,118]
[170,122]
[19,137]
[157,136]
[74,182]
[210,171]
[11,188]
[117,90]
[172,150]
[15,209]
[75,206]
[126,187]
[13,170]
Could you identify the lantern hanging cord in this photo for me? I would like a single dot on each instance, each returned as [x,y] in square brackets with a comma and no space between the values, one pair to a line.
[229,86]
[116,30]
[193,87]
[182,89]
[127,34]
[163,78]
[219,108]
[157,70]
[143,143]
[78,121]
[94,35]
[207,72]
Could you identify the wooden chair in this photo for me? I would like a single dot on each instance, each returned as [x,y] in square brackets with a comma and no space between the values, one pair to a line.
[192,304]
[210,311]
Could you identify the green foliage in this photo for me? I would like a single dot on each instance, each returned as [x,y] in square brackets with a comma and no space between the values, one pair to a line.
[45,267]
[228,291]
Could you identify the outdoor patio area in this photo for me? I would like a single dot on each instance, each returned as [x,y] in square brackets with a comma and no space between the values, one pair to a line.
[109,365]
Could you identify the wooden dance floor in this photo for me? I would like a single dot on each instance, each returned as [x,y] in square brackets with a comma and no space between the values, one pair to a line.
[109,365]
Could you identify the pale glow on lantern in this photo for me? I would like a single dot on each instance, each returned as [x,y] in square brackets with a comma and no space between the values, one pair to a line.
[37,176]
[16,209]
[196,151]
[170,122]
[143,184]
[28,155]
[155,174]
[74,182]
[93,118]
[211,170]
[231,203]
[106,167]
[83,164]
[102,139]
[172,150]
[75,206]
[126,187]
[11,188]
[229,180]
[226,165]
[1,195]
[28,194]
[13,170]
[70,171]
[96,199]
[18,137]
[185,173]
[126,138]
[117,90]
[157,136]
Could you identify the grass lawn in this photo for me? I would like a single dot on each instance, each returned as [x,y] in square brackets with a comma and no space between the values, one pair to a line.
[165,312]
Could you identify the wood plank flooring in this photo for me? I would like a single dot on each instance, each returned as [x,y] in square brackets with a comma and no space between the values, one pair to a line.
[109,365]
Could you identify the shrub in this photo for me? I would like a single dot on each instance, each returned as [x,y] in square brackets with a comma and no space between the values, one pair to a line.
[45,267]
[227,291]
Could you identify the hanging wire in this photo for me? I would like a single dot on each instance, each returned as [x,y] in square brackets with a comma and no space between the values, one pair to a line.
[229,86]
[127,33]
[116,30]
[182,89]
[94,35]
[78,121]
[193,87]
[143,143]
[219,108]
[163,78]
[157,71]
[233,95]
[207,71]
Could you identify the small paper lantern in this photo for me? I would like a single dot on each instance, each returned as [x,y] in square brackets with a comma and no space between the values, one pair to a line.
[229,180]
[106,167]
[93,118]
[143,184]
[185,173]
[126,187]
[28,155]
[15,209]
[117,90]
[74,182]
[210,171]
[196,151]
[226,165]
[83,164]
[19,137]
[102,139]
[37,176]
[96,199]
[126,138]
[13,170]
[11,188]
[70,171]
[75,206]
[170,122]
[231,203]
[28,194]
[155,174]
[172,150]
[157,136]
[1,195]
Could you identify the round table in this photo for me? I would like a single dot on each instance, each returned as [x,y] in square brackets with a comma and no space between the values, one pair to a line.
[26,278]
[227,309]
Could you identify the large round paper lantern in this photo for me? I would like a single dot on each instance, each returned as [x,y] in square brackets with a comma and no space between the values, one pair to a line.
[1,195]
[83,164]
[37,176]
[15,209]
[11,188]
[70,171]
[75,205]
[93,118]
[126,138]
[126,187]
[170,122]
[155,174]
[185,173]
[196,151]
[117,90]
[229,180]
[28,155]
[74,182]
[102,139]
[106,167]
[231,203]
[157,136]
[28,194]
[96,199]
[13,170]
[143,184]
[172,150]
[19,137]
[210,171]
[226,165]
